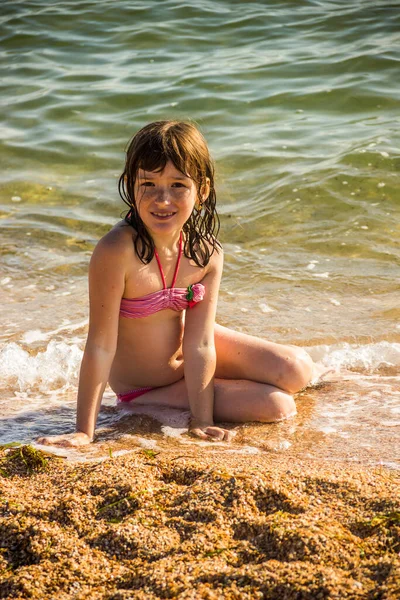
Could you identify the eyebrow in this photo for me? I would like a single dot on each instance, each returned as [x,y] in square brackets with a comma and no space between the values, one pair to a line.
[180,177]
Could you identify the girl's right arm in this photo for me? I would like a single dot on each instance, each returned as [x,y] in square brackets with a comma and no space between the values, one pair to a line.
[106,288]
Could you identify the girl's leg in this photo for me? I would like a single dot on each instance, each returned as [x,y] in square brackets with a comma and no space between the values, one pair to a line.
[235,401]
[254,380]
[242,356]
[241,401]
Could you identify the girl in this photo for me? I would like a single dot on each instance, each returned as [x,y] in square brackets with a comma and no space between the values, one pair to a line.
[153,288]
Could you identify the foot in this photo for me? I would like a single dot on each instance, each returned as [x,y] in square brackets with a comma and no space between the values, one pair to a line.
[211,432]
[68,440]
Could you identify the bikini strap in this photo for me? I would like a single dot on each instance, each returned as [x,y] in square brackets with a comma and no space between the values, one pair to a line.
[178,262]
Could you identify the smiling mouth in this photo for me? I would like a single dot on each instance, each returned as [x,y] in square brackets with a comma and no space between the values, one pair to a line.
[163,215]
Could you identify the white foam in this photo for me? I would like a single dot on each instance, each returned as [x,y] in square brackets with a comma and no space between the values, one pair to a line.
[389,464]
[115,453]
[334,301]
[34,335]
[368,356]
[327,429]
[283,445]
[173,431]
[244,450]
[146,443]
[55,450]
[322,275]
[54,368]
[265,308]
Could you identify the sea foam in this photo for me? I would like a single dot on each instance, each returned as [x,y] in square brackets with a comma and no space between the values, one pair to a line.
[56,366]
[368,356]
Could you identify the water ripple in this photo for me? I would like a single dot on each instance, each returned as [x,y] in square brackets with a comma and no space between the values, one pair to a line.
[298,99]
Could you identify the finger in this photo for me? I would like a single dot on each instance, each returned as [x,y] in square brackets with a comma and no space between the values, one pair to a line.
[199,433]
[65,443]
[44,441]
[55,441]
[222,434]
[215,432]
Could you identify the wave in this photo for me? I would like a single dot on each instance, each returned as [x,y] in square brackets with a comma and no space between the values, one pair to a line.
[369,357]
[57,366]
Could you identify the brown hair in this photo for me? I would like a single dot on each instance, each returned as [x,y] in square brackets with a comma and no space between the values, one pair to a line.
[150,149]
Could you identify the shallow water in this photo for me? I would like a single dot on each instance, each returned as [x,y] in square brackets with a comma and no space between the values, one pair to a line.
[299,103]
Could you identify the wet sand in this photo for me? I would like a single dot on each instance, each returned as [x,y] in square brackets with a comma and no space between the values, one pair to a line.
[182,524]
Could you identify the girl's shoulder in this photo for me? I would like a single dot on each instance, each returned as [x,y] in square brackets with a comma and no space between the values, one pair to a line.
[117,244]
[216,260]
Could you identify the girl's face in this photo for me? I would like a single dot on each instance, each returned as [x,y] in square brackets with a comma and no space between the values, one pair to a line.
[165,199]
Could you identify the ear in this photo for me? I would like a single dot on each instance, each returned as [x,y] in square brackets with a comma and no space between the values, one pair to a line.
[205,190]
[203,194]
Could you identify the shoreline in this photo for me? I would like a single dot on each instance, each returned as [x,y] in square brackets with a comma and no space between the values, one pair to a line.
[169,524]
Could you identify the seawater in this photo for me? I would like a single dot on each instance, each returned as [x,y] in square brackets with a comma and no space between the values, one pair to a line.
[299,103]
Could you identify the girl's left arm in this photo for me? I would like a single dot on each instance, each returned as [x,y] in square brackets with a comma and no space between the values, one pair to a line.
[200,356]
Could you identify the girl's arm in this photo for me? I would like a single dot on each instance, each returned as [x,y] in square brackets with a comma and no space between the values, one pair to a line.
[106,287]
[200,357]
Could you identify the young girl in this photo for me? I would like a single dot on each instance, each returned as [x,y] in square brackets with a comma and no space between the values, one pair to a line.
[153,288]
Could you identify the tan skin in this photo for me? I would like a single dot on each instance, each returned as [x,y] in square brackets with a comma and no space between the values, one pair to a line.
[192,362]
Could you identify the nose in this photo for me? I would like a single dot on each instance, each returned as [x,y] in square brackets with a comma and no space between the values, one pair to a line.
[163,196]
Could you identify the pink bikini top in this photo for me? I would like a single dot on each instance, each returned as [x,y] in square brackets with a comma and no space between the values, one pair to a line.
[173,298]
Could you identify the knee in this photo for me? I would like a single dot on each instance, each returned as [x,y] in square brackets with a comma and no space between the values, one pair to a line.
[296,371]
[277,407]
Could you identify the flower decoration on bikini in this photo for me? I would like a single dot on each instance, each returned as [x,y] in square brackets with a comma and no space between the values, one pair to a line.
[189,296]
[190,293]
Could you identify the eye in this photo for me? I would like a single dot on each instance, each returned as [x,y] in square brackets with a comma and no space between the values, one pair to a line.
[147,184]
[178,184]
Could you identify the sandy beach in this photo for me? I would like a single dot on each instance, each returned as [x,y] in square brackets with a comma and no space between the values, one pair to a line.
[171,525]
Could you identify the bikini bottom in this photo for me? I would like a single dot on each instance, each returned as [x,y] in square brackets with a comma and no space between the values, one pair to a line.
[133,394]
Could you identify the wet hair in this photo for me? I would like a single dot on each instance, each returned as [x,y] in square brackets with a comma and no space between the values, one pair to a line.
[150,149]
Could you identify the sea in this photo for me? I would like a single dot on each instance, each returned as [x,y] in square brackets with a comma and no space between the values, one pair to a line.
[300,103]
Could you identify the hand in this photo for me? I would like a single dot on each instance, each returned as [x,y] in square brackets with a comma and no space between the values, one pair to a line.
[68,440]
[210,432]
